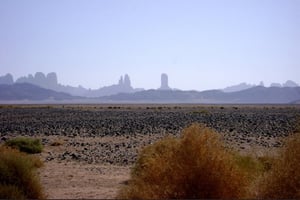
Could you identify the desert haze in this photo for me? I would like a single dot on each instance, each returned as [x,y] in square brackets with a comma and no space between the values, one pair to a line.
[42,88]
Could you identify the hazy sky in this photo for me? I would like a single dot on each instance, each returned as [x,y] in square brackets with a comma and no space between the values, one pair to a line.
[201,44]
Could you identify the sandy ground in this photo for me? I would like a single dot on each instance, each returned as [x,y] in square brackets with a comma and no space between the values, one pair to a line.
[74,180]
[69,179]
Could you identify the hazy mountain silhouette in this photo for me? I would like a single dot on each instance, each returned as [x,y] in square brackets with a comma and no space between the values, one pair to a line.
[164,82]
[123,86]
[27,91]
[288,83]
[39,79]
[41,87]
[261,94]
[51,82]
[244,86]
[239,87]
[7,79]
[255,95]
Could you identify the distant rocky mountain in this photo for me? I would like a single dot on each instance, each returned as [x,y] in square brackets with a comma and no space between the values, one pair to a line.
[254,95]
[50,81]
[244,86]
[27,91]
[164,82]
[288,83]
[263,95]
[7,79]
[124,86]
[41,86]
[39,79]
[239,87]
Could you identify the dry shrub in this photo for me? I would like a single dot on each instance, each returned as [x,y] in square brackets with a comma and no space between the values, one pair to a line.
[254,166]
[18,179]
[10,192]
[283,180]
[193,166]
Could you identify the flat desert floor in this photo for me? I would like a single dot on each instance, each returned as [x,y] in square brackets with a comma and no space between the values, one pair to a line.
[90,149]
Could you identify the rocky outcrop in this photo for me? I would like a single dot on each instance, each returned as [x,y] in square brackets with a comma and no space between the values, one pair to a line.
[290,83]
[127,82]
[239,87]
[164,82]
[7,79]
[245,86]
[123,86]
[50,82]
[41,80]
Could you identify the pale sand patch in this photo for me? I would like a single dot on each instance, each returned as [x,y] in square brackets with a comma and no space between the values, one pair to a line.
[74,180]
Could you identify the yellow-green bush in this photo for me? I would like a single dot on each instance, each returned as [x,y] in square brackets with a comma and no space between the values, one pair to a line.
[18,179]
[194,166]
[28,145]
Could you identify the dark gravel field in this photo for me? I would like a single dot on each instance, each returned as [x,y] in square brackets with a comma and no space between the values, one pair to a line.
[114,134]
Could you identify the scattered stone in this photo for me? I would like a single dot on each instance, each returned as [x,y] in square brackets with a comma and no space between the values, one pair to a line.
[139,127]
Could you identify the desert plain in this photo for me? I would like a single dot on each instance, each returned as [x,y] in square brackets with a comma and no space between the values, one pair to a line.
[90,149]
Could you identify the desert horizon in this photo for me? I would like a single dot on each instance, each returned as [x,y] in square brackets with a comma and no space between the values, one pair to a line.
[149,99]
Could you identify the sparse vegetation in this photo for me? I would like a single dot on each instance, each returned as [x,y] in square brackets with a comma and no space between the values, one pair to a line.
[193,166]
[198,166]
[18,179]
[28,145]
[283,179]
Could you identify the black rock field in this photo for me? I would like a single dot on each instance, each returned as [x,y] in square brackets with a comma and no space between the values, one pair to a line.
[114,134]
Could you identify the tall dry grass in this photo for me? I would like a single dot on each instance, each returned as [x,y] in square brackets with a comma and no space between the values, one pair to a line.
[18,179]
[194,166]
[283,180]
